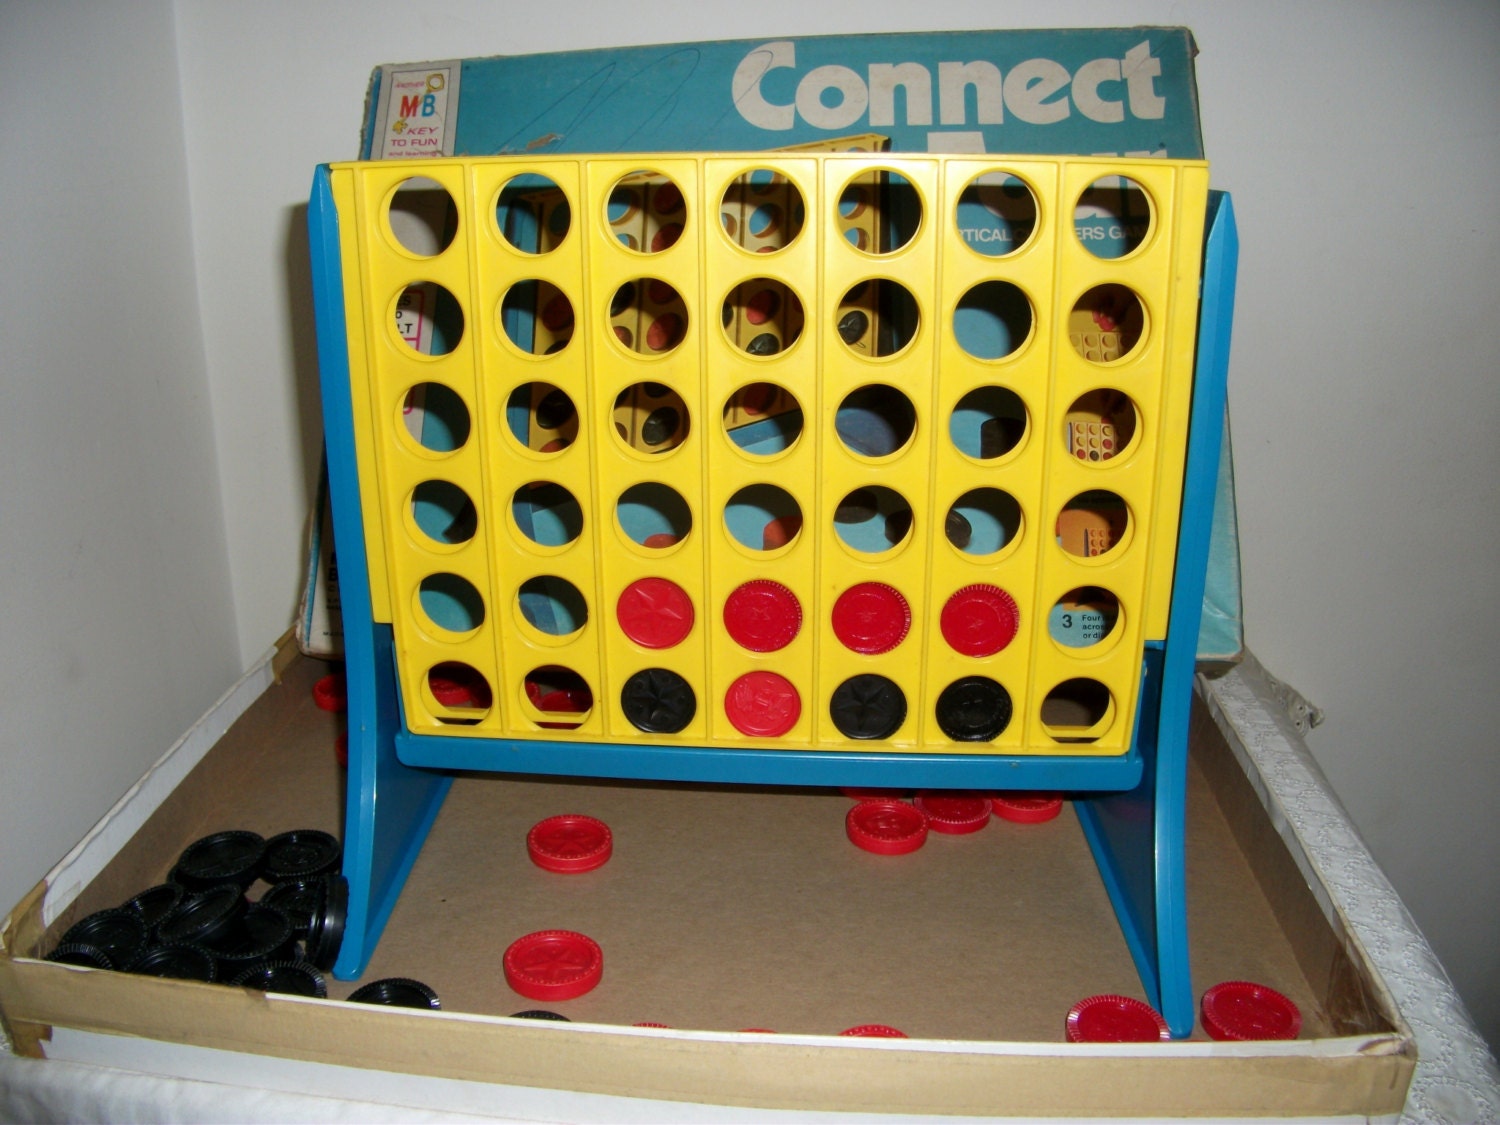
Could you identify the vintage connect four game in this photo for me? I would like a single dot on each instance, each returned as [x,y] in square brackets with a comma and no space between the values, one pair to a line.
[766,468]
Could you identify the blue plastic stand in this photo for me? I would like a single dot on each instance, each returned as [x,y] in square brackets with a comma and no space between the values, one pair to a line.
[1134,823]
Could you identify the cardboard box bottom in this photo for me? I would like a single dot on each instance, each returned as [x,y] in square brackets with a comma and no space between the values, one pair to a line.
[730,908]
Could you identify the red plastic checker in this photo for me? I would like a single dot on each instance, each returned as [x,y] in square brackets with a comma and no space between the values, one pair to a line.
[655,613]
[458,685]
[570,842]
[331,692]
[955,814]
[1239,1009]
[980,620]
[763,704]
[762,615]
[553,965]
[886,827]
[873,794]
[1027,808]
[871,618]
[1115,1019]
[875,1031]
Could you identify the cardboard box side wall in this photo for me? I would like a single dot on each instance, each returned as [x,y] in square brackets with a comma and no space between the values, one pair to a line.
[1363,1072]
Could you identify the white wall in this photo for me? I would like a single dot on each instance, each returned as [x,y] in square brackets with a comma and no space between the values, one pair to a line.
[116,625]
[1361,144]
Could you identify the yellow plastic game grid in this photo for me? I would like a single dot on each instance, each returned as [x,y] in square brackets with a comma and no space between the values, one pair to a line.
[1053,268]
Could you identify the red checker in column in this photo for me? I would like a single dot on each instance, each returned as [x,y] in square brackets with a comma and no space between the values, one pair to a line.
[762,616]
[763,704]
[655,613]
[1115,1019]
[871,618]
[570,843]
[553,965]
[980,620]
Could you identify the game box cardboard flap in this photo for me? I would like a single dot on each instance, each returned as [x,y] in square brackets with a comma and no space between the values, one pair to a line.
[1123,91]
[1120,91]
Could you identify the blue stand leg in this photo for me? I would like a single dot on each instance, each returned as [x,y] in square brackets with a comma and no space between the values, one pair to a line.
[378,851]
[1138,836]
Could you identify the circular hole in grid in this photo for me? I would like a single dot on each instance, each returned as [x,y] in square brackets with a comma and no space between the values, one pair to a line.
[875,420]
[541,417]
[653,515]
[552,605]
[651,418]
[873,519]
[428,318]
[451,602]
[762,211]
[1099,425]
[996,214]
[646,212]
[1076,709]
[1093,523]
[537,317]
[561,694]
[1107,323]
[460,686]
[992,320]
[763,517]
[422,216]
[444,512]
[879,212]
[648,316]
[877,317]
[983,521]
[547,513]
[763,419]
[988,422]
[532,213]
[1112,217]
[762,317]
[1083,617]
[435,417]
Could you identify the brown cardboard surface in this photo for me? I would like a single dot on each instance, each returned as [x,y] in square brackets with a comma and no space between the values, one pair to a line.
[730,908]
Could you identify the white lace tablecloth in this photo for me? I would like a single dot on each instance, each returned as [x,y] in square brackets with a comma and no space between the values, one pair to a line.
[1456,1079]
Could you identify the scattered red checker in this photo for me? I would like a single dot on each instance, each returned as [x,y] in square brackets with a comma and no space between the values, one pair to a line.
[1115,1019]
[553,965]
[955,814]
[875,1031]
[570,843]
[331,692]
[1239,1010]
[1027,808]
[886,827]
